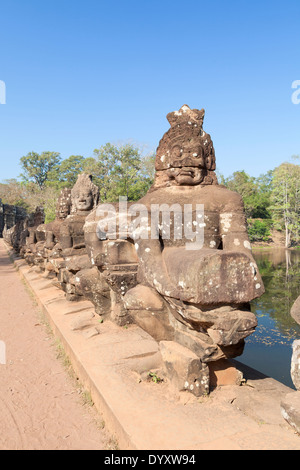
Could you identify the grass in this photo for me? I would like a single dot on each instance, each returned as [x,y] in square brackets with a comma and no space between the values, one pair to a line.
[111,442]
[155,378]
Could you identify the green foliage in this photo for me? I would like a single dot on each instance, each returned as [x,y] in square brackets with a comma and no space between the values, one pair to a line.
[155,378]
[122,171]
[255,193]
[40,168]
[69,169]
[275,196]
[259,230]
[118,170]
[280,271]
[285,198]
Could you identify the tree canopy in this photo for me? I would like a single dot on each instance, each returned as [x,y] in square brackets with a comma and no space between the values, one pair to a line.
[271,201]
[40,168]
[118,170]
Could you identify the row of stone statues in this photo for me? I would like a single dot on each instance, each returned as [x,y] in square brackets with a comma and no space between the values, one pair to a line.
[10,216]
[178,263]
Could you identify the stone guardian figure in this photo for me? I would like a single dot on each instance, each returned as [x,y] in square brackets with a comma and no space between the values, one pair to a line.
[185,272]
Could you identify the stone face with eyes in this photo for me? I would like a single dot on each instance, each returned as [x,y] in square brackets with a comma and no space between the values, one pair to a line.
[83,200]
[84,197]
[185,155]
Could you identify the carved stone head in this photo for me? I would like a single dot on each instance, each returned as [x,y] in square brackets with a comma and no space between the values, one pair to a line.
[185,155]
[63,207]
[38,217]
[84,194]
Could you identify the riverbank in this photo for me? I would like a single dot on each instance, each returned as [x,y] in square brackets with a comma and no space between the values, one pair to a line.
[276,240]
[109,361]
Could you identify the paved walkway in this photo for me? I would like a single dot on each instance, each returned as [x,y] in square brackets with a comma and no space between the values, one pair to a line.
[40,405]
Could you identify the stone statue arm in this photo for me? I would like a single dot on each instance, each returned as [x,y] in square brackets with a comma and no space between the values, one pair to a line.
[233,226]
[234,232]
[31,235]
[153,267]
[49,243]
[65,238]
[95,248]
[235,239]
[96,239]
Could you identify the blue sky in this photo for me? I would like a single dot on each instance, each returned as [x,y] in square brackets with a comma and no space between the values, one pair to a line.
[79,74]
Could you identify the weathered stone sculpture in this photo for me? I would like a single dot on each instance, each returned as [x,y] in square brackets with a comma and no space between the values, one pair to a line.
[11,219]
[290,405]
[84,197]
[188,282]
[13,236]
[114,260]
[1,218]
[295,310]
[48,248]
[29,236]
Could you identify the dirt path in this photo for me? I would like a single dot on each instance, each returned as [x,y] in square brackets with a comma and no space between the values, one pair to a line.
[40,405]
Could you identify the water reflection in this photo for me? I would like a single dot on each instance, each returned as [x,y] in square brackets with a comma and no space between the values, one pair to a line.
[269,349]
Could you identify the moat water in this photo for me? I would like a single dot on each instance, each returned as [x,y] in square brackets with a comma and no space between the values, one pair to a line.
[269,349]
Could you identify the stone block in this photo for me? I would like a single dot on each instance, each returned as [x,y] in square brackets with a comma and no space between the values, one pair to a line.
[223,372]
[295,364]
[290,410]
[184,369]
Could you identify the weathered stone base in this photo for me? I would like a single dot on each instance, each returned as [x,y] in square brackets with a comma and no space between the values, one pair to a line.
[184,369]
[290,410]
[223,372]
[295,364]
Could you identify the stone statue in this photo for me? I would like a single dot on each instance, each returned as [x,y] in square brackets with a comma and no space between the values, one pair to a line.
[12,220]
[49,248]
[84,197]
[187,282]
[290,405]
[115,263]
[29,236]
[51,230]
[295,310]
[1,218]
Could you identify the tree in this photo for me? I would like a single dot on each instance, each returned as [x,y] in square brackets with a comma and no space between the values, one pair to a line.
[121,170]
[29,196]
[262,199]
[69,169]
[259,230]
[285,200]
[13,192]
[245,185]
[126,170]
[255,192]
[103,171]
[40,168]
